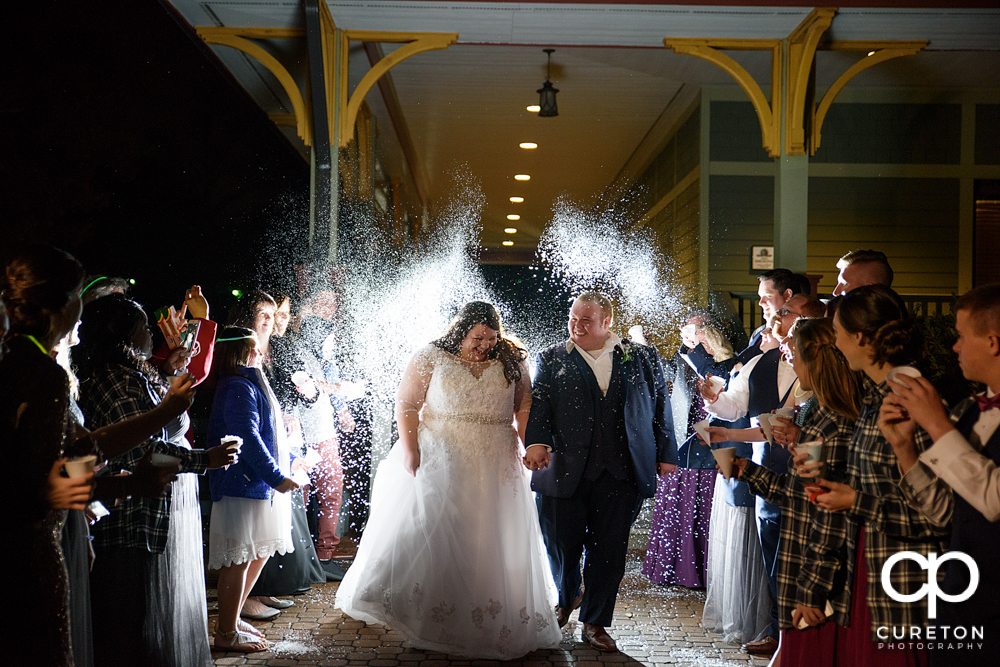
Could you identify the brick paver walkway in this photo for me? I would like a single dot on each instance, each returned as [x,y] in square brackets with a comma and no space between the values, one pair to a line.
[654,625]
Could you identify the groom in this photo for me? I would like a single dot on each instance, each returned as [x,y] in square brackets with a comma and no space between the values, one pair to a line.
[599,432]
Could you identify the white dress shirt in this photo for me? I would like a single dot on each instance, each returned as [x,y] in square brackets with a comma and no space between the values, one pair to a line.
[953,463]
[601,361]
[735,400]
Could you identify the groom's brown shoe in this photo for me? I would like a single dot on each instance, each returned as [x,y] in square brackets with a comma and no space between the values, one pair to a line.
[597,637]
[562,615]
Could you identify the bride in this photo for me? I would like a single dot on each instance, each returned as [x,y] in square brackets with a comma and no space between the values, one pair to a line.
[452,557]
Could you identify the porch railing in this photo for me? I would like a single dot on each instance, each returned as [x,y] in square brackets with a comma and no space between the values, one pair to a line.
[748,312]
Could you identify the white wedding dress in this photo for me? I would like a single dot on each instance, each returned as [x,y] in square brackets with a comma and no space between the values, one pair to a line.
[453,559]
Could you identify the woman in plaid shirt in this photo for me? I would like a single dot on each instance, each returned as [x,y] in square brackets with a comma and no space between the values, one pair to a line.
[876,334]
[813,561]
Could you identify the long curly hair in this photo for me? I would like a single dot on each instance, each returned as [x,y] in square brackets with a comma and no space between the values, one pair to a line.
[480,312]
[107,328]
[877,312]
[836,386]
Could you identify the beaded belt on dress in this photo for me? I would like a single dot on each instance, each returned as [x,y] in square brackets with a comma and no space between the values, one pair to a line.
[468,417]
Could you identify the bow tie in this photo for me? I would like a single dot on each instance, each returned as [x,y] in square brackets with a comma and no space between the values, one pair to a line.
[987,403]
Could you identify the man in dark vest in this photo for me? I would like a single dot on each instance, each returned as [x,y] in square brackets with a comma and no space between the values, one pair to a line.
[957,479]
[599,432]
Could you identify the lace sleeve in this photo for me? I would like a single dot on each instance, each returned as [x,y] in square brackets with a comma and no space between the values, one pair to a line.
[416,379]
[522,391]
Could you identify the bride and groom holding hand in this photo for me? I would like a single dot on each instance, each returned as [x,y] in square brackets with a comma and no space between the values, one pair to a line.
[457,556]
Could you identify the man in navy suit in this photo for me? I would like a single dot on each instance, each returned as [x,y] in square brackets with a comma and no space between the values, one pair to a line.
[598,434]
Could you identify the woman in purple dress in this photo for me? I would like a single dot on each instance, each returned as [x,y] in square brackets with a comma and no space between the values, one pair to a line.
[678,534]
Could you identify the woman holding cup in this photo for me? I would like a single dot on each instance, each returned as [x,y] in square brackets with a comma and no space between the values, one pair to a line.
[250,522]
[813,578]
[42,295]
[876,334]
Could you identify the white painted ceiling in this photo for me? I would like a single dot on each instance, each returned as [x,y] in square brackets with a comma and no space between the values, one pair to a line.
[465,106]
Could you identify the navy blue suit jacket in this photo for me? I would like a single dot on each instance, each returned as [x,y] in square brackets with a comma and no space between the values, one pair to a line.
[563,413]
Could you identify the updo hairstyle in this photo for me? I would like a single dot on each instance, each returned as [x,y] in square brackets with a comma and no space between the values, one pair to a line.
[877,312]
[39,282]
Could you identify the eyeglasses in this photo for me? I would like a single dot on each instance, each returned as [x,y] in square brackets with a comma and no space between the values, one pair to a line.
[784,311]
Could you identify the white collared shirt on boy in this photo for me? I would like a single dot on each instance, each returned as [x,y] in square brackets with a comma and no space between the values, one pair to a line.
[961,465]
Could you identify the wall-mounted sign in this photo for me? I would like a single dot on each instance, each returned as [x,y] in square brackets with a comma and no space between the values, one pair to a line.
[762,258]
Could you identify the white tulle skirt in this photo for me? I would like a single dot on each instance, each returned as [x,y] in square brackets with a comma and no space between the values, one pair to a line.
[738,599]
[453,559]
[244,529]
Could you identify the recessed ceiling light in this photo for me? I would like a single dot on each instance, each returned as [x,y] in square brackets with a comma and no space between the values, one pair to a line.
[534,108]
[511,230]
[871,53]
[522,177]
[528,144]
[517,200]
[508,243]
[513,216]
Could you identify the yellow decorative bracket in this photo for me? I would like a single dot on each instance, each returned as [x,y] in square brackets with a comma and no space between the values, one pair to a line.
[802,44]
[415,42]
[878,52]
[767,112]
[239,39]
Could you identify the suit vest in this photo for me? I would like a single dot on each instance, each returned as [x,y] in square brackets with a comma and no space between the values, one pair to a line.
[609,441]
[972,533]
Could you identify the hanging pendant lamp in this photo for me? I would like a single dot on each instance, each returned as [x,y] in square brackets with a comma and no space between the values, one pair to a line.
[547,94]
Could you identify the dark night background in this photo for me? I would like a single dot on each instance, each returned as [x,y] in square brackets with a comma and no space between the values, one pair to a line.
[125,142]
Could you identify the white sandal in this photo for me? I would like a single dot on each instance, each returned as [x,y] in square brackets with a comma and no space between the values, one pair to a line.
[240,642]
[244,627]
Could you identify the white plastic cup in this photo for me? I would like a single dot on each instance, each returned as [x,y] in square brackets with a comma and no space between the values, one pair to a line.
[80,466]
[232,442]
[785,413]
[724,457]
[898,374]
[813,450]
[716,384]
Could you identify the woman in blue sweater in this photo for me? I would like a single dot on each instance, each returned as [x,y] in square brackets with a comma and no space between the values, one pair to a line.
[250,522]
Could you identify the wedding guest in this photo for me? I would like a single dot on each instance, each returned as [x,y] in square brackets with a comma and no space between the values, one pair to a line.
[862,267]
[250,522]
[764,384]
[876,334]
[317,348]
[96,287]
[148,480]
[198,359]
[296,571]
[42,294]
[257,311]
[812,557]
[677,551]
[147,583]
[957,480]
